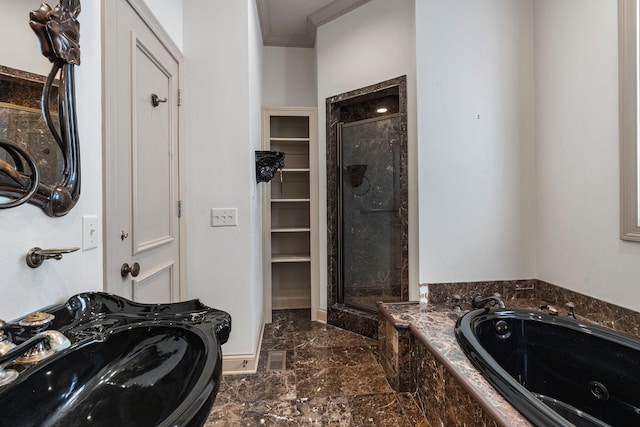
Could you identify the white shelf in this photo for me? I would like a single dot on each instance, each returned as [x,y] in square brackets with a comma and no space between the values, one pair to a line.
[290,140]
[295,170]
[291,258]
[291,230]
[290,200]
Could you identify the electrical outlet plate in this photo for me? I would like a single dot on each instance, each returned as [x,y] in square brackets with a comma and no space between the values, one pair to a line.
[90,234]
[224,217]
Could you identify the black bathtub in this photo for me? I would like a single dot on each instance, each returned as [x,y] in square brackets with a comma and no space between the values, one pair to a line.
[555,370]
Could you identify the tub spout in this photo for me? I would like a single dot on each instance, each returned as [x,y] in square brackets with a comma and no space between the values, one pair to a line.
[479,302]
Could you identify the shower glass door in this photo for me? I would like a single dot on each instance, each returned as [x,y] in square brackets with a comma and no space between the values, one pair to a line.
[369,228]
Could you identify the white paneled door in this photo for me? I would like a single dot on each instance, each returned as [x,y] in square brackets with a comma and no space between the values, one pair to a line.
[142,91]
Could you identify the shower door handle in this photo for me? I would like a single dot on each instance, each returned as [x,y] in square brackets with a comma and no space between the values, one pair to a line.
[366,210]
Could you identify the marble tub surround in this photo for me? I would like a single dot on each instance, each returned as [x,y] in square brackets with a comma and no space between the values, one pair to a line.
[449,390]
[332,378]
[534,293]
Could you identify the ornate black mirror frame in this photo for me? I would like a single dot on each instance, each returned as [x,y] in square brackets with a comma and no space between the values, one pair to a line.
[58,31]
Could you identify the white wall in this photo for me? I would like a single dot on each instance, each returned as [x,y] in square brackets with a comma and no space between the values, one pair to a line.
[222,130]
[24,289]
[475,136]
[256,60]
[577,160]
[23,52]
[169,14]
[373,43]
[289,77]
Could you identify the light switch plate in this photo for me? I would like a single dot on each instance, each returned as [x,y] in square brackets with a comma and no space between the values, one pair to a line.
[224,217]
[90,232]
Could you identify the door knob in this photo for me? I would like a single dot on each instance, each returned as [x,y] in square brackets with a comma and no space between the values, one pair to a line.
[134,269]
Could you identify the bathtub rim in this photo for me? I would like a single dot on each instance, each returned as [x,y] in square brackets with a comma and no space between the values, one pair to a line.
[517,395]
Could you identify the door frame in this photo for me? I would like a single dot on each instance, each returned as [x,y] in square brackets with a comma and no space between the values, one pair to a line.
[110,162]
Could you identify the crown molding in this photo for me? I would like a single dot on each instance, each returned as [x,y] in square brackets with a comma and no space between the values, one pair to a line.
[334,10]
[320,17]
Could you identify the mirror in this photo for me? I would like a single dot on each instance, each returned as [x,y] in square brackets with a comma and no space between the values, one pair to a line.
[39,150]
[21,121]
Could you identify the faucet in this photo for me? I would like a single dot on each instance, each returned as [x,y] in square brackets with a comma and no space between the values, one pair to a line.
[42,345]
[479,302]
[457,303]
[570,309]
[5,342]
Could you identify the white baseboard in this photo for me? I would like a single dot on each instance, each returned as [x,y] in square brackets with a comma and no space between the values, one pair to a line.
[322,315]
[239,364]
[290,302]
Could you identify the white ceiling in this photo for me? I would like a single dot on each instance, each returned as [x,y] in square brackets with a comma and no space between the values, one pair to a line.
[293,23]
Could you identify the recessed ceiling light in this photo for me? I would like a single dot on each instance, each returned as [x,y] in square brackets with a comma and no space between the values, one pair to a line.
[382,110]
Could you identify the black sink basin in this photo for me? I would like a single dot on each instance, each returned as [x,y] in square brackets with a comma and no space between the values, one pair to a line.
[129,365]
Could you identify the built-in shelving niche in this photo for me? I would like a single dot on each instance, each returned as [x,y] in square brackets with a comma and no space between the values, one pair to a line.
[290,205]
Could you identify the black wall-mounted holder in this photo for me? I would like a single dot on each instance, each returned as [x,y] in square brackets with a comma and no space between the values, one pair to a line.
[267,163]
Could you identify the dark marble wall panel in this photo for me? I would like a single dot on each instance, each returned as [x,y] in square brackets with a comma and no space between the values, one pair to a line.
[589,308]
[442,293]
[533,292]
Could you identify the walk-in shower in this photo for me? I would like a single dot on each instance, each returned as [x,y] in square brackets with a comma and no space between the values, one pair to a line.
[367,203]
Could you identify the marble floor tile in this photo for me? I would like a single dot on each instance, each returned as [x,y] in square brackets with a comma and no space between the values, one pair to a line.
[322,382]
[271,413]
[332,378]
[278,336]
[226,412]
[329,411]
[260,386]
